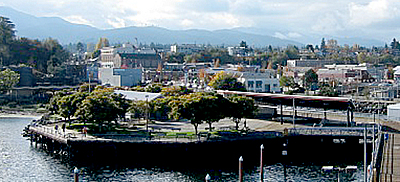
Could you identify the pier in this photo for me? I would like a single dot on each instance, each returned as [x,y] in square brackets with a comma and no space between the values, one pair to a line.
[305,144]
[390,170]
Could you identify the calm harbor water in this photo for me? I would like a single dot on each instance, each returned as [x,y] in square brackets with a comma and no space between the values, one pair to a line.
[19,161]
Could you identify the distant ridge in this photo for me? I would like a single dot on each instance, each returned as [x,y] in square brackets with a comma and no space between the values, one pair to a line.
[44,27]
[65,32]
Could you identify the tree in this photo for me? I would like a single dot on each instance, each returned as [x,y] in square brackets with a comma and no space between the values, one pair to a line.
[103,42]
[292,52]
[395,44]
[66,109]
[175,91]
[241,107]
[99,107]
[7,35]
[187,107]
[214,109]
[154,88]
[69,104]
[8,79]
[138,108]
[224,81]
[323,44]
[310,47]
[310,79]
[52,106]
[243,44]
[327,90]
[288,81]
[198,107]
[80,47]
[122,103]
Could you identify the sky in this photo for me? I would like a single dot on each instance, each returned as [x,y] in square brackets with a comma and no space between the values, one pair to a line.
[379,19]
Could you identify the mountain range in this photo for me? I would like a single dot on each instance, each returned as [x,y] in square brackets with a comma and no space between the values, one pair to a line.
[66,32]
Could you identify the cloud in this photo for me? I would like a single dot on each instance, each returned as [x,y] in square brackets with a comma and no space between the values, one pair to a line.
[204,6]
[116,22]
[374,11]
[305,17]
[280,35]
[77,19]
[294,35]
[187,23]
[329,23]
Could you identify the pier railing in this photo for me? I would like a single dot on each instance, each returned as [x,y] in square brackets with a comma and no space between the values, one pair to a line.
[375,164]
[331,131]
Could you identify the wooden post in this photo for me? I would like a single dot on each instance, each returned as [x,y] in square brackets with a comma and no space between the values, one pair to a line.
[76,174]
[208,178]
[348,117]
[281,114]
[241,169]
[261,163]
[365,154]
[294,114]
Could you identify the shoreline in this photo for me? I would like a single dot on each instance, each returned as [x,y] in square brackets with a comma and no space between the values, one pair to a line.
[19,115]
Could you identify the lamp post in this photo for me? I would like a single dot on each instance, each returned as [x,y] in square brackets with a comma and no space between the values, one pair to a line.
[147,113]
[241,169]
[261,163]
[294,112]
[365,154]
[284,154]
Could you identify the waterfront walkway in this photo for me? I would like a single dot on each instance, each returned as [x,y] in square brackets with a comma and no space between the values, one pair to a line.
[390,170]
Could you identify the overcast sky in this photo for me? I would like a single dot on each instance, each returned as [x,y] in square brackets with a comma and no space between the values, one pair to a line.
[377,18]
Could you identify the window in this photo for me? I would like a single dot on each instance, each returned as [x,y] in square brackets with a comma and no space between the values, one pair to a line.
[250,84]
[258,84]
[267,88]
[275,85]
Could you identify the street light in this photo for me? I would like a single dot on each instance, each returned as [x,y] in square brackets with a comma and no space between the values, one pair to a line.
[147,113]
[261,163]
[284,154]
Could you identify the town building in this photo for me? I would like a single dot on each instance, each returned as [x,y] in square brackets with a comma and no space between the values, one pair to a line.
[260,81]
[120,77]
[187,48]
[129,57]
[345,73]
[315,63]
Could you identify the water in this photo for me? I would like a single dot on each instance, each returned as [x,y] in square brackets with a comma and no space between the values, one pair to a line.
[19,161]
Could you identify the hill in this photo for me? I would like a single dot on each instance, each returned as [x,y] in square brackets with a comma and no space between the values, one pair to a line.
[65,32]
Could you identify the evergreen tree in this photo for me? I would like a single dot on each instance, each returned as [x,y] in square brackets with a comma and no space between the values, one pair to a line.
[323,44]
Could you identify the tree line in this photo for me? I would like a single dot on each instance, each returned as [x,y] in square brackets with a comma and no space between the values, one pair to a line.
[102,106]
[47,57]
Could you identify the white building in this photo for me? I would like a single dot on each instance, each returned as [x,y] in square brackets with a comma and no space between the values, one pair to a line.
[315,63]
[187,48]
[393,112]
[120,77]
[260,82]
[107,54]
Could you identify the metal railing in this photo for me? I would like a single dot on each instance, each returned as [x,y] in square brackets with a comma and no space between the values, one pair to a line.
[331,131]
